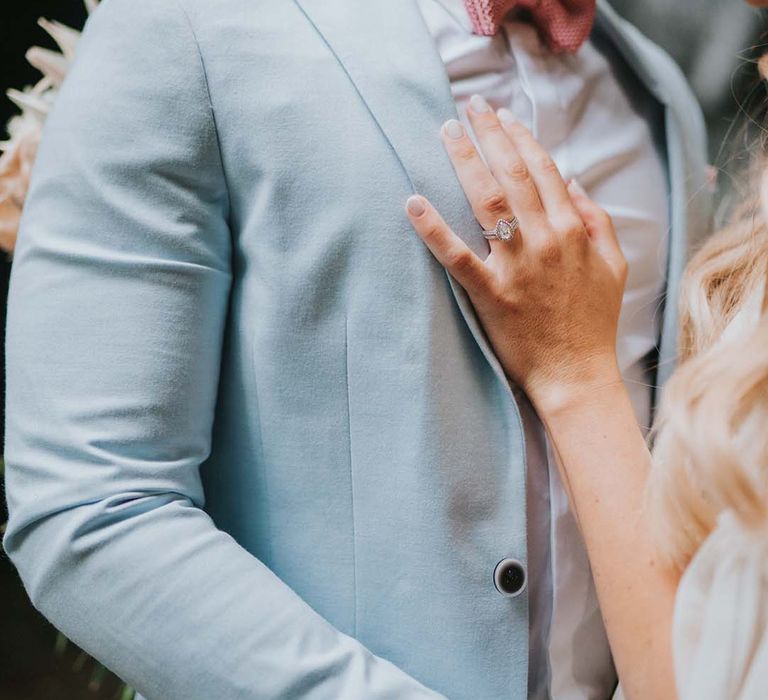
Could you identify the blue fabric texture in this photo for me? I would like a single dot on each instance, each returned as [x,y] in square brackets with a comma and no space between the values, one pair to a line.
[257,445]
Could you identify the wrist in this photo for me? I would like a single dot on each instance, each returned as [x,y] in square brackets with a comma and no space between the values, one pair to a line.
[577,387]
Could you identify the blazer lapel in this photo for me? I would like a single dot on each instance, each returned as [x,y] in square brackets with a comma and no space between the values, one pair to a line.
[389,55]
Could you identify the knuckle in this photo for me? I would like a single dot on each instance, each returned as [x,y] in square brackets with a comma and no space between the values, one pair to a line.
[546,165]
[464,152]
[498,297]
[494,202]
[516,170]
[459,260]
[549,252]
[432,232]
[492,126]
[517,129]
[603,217]
[494,290]
[570,227]
[496,293]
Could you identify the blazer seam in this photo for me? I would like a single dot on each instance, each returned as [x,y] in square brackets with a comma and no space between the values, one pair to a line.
[262,463]
[351,475]
[214,123]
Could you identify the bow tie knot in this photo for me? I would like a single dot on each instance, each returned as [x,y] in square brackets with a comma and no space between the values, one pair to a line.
[563,24]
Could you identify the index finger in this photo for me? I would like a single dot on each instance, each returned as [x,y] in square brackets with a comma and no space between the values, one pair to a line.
[470,272]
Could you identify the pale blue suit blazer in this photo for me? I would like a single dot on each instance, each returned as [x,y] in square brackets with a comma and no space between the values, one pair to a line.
[257,445]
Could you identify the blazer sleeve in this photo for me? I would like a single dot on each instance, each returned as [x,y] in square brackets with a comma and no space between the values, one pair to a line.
[117,304]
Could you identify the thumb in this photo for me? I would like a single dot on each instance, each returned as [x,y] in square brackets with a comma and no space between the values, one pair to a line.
[599,227]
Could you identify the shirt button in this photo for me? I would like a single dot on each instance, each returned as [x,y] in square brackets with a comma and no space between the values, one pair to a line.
[509,577]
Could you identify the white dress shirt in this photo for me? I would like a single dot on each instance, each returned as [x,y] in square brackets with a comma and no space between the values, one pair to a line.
[578,108]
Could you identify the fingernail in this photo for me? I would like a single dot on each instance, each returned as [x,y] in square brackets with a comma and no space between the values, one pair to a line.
[506,116]
[479,105]
[577,188]
[454,128]
[416,205]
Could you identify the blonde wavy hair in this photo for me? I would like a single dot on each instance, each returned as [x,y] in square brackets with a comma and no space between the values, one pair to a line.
[711,434]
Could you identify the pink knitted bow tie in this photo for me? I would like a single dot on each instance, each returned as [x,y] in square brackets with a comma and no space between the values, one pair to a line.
[563,24]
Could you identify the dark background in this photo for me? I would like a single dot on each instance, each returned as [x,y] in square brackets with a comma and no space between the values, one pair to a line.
[715,41]
[29,668]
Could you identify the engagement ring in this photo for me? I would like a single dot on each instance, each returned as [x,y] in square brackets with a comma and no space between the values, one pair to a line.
[505,229]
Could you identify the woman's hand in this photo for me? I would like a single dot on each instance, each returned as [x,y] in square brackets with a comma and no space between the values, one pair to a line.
[550,298]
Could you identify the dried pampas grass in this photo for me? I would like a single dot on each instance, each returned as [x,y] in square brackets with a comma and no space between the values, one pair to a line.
[25,129]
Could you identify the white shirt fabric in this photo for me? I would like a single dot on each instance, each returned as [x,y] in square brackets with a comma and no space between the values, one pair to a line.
[578,109]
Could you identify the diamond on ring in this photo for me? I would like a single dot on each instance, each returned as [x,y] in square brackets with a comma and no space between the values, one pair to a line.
[505,229]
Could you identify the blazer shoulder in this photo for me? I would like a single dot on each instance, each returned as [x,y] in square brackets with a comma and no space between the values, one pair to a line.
[131,14]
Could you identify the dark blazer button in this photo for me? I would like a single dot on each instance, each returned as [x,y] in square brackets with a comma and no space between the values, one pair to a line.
[509,577]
